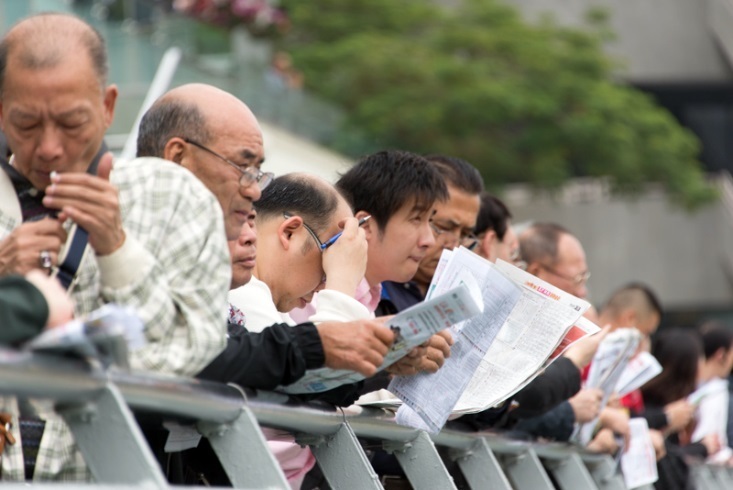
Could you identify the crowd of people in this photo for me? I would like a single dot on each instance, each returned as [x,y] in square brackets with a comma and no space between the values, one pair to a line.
[237,277]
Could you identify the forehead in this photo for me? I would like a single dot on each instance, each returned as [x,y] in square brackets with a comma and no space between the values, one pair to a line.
[570,252]
[461,207]
[71,79]
[235,128]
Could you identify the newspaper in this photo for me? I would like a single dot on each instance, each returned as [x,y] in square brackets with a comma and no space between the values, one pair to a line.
[472,339]
[639,462]
[107,334]
[641,368]
[412,327]
[531,334]
[711,416]
[609,363]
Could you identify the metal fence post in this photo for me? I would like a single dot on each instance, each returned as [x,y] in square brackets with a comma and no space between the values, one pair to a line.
[569,472]
[112,443]
[481,468]
[421,462]
[243,452]
[343,461]
[526,472]
[603,471]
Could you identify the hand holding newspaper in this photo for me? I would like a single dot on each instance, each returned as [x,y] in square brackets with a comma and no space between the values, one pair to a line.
[411,327]
[639,462]
[608,365]
[524,321]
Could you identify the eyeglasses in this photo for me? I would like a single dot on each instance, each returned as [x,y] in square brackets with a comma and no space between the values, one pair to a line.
[577,279]
[321,246]
[310,230]
[250,174]
[467,239]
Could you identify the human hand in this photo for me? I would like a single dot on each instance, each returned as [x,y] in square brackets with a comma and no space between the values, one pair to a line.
[679,414]
[603,442]
[582,351]
[358,345]
[711,443]
[60,306]
[6,437]
[657,438]
[438,350]
[409,364]
[345,261]
[617,419]
[91,202]
[20,252]
[586,404]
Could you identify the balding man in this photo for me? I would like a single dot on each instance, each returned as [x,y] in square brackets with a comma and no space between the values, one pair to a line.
[554,255]
[156,238]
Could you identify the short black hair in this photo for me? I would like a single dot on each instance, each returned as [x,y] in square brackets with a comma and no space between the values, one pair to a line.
[458,173]
[302,195]
[715,335]
[493,215]
[383,182]
[628,295]
[168,118]
[678,351]
[539,242]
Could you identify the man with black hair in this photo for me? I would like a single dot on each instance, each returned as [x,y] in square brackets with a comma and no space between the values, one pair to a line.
[634,305]
[451,225]
[495,236]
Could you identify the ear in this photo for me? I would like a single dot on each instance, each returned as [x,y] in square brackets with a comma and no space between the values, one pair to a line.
[286,229]
[720,355]
[110,99]
[627,318]
[486,242]
[370,227]
[534,268]
[175,150]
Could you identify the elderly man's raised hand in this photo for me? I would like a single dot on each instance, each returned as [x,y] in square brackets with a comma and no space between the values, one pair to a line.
[358,345]
[24,249]
[345,261]
[92,203]
[60,306]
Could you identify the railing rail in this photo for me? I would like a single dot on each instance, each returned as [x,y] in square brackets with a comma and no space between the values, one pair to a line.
[97,404]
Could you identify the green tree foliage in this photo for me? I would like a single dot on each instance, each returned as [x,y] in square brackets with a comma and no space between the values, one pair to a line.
[522,102]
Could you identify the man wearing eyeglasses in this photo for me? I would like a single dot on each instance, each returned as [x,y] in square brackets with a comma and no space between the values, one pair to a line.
[452,225]
[154,233]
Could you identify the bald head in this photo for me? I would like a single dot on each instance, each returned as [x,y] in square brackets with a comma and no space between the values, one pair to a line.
[308,196]
[194,111]
[46,40]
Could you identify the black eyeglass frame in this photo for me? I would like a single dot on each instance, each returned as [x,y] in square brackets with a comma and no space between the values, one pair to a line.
[249,174]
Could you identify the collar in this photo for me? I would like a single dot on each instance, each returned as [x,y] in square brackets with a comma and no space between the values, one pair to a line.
[368,295]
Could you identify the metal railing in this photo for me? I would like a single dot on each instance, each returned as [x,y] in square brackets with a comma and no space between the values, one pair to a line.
[98,405]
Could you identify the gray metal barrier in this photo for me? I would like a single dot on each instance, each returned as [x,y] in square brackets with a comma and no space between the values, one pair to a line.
[98,406]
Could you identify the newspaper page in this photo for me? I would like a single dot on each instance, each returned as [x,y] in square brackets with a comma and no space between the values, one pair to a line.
[472,340]
[581,329]
[412,327]
[711,416]
[531,333]
[608,365]
[641,368]
[639,462]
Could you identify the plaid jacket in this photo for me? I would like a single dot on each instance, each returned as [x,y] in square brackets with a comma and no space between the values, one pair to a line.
[174,269]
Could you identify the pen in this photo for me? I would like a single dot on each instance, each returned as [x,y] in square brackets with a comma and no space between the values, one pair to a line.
[333,239]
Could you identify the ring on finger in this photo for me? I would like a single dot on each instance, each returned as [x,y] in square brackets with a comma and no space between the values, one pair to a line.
[44,258]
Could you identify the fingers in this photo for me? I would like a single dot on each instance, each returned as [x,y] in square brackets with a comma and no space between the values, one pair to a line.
[20,252]
[104,168]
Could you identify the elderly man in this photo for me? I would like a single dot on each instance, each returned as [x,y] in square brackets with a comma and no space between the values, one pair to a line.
[216,136]
[156,237]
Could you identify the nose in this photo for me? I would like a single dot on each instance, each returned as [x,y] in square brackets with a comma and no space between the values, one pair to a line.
[248,236]
[50,146]
[426,238]
[581,291]
[251,191]
[450,241]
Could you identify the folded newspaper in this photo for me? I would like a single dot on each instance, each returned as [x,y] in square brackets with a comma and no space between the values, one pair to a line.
[526,323]
[107,334]
[606,369]
[412,327]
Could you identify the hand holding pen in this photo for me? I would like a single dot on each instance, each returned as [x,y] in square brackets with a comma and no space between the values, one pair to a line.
[345,257]
[333,239]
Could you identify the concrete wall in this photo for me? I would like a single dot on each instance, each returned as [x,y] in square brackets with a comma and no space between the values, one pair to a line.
[685,257]
[658,40]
